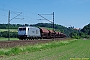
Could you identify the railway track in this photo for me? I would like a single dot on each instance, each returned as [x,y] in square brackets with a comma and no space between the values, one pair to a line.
[9,44]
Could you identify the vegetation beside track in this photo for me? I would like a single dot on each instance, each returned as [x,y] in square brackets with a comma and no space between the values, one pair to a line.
[6,39]
[63,50]
[37,47]
[11,30]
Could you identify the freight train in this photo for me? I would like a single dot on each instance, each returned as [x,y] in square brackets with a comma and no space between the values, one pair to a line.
[29,32]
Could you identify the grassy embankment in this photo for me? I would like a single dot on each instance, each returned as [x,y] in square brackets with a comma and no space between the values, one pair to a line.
[5,39]
[63,50]
[12,30]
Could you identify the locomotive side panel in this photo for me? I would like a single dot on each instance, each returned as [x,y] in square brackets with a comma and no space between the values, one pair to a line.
[33,32]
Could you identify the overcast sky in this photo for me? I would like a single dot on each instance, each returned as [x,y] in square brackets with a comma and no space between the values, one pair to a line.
[67,12]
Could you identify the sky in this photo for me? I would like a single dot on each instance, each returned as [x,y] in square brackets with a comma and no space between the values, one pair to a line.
[66,12]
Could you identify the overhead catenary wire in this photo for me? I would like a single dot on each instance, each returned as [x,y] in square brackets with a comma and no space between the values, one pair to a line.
[12,12]
[17,12]
[3,15]
[44,18]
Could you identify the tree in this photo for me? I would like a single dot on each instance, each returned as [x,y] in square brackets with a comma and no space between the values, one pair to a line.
[86,29]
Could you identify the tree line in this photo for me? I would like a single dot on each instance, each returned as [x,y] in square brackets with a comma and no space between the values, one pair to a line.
[12,26]
[82,33]
[5,34]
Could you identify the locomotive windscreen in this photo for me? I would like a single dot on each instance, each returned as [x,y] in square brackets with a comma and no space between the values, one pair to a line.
[22,28]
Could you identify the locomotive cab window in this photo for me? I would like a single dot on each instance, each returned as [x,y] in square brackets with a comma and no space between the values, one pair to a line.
[22,28]
[28,29]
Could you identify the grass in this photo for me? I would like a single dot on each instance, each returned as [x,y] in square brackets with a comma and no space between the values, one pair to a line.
[6,39]
[63,50]
[11,30]
[37,47]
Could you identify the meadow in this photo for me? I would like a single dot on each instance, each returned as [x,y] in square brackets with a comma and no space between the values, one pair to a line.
[6,39]
[11,30]
[61,50]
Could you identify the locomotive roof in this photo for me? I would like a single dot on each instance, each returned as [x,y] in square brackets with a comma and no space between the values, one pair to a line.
[27,26]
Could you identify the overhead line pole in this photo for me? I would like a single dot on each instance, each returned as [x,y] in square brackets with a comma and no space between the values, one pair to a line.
[53,25]
[9,23]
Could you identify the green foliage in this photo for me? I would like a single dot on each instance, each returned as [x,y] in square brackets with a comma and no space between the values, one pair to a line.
[12,26]
[5,34]
[13,51]
[2,52]
[86,29]
[16,50]
[85,32]
[75,35]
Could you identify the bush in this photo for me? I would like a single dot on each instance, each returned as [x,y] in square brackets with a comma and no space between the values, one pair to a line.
[1,52]
[5,34]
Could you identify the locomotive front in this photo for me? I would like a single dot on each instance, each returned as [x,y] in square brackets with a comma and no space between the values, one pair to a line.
[22,33]
[29,33]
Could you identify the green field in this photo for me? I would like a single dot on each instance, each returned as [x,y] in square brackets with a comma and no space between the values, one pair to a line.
[12,30]
[6,39]
[56,51]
